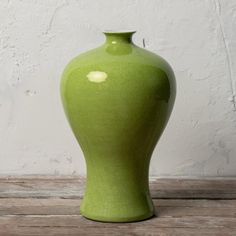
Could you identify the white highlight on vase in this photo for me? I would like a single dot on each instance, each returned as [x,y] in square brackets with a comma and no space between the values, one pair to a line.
[97,76]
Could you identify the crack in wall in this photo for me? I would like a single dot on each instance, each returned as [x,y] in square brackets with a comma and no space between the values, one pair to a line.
[217,5]
[54,14]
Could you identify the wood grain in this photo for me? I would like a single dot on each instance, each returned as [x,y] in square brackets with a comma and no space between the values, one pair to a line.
[42,205]
[73,187]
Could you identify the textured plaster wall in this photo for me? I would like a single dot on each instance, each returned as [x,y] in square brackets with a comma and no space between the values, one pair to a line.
[197,37]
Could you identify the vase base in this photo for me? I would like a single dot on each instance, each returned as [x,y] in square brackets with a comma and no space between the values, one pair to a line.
[118,219]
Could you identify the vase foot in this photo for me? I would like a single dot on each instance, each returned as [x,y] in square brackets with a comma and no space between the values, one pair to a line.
[124,219]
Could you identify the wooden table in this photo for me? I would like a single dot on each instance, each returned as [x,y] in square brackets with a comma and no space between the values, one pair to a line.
[50,206]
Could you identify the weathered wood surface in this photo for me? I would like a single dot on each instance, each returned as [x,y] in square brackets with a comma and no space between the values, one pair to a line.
[73,187]
[50,206]
[77,225]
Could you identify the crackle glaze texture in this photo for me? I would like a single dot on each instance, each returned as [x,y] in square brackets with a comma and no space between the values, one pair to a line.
[118,99]
[37,38]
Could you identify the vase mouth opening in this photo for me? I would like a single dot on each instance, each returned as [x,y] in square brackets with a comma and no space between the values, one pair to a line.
[119,32]
[118,36]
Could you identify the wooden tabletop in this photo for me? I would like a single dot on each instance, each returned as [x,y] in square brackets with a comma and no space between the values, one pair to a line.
[37,205]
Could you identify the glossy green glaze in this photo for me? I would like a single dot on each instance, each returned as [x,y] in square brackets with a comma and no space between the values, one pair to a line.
[118,99]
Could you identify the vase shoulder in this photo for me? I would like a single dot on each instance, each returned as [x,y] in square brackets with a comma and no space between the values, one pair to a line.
[127,54]
[130,62]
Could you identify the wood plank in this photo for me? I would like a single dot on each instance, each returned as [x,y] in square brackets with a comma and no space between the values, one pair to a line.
[73,187]
[217,188]
[41,187]
[179,208]
[207,203]
[164,208]
[100,231]
[28,225]
[35,206]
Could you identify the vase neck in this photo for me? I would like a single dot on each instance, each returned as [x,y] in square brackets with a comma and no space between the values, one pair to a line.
[118,37]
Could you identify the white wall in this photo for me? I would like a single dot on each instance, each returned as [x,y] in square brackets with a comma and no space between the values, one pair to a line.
[38,38]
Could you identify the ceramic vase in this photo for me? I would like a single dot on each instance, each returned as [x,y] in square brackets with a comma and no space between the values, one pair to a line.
[118,99]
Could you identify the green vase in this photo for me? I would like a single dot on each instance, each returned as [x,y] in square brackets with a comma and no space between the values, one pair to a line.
[118,99]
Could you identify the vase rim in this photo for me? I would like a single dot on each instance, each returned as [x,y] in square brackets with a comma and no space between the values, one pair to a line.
[121,31]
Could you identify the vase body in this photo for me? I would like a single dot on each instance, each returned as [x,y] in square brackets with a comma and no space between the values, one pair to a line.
[118,99]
